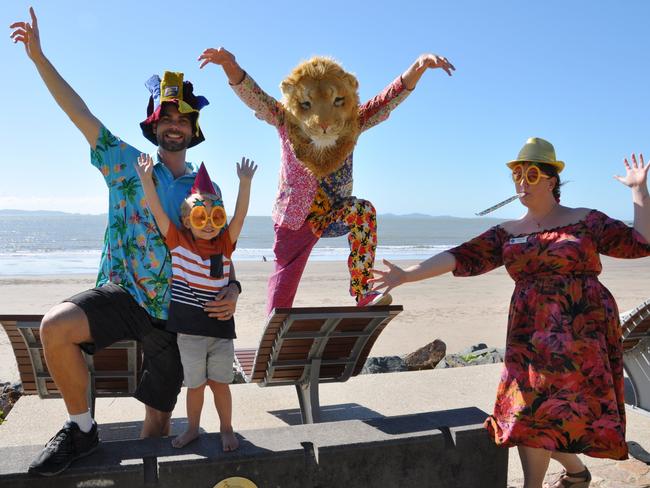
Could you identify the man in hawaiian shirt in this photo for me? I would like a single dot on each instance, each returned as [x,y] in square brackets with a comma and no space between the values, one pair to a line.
[132,295]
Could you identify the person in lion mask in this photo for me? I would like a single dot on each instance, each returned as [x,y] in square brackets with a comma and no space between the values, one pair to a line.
[319,121]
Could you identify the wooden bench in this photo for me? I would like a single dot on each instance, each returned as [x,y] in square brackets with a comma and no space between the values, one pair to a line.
[308,346]
[113,372]
[299,346]
[636,354]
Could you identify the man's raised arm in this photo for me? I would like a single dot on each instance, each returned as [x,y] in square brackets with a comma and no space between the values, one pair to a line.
[63,94]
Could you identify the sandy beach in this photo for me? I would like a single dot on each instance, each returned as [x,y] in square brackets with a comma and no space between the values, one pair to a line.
[459,311]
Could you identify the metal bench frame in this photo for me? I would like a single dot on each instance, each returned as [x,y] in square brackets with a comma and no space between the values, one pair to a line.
[267,363]
[636,354]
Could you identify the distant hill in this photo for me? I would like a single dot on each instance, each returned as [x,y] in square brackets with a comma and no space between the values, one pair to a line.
[437,217]
[24,213]
[53,213]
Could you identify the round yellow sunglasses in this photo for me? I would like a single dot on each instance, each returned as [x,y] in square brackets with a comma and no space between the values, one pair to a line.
[199,217]
[532,175]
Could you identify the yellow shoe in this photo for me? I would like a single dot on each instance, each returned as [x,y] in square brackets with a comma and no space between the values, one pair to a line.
[374,299]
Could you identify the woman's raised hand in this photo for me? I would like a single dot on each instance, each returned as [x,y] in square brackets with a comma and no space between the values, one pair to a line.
[387,280]
[636,173]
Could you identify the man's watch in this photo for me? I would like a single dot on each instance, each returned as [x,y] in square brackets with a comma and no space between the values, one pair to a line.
[237,283]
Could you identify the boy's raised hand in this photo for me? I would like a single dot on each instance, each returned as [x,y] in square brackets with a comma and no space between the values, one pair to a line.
[27,33]
[144,168]
[246,169]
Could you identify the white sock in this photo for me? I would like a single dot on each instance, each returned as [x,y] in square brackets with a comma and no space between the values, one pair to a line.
[83,420]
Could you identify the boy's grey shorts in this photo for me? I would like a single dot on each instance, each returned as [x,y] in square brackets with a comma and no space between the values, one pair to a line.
[206,358]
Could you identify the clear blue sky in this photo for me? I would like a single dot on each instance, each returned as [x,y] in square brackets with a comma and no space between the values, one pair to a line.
[574,72]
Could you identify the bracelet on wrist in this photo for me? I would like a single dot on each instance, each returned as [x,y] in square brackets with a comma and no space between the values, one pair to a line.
[236,283]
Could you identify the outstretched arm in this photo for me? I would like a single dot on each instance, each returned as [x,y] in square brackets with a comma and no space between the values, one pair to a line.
[377,109]
[441,263]
[63,94]
[245,172]
[412,75]
[144,168]
[265,106]
[226,60]
[636,178]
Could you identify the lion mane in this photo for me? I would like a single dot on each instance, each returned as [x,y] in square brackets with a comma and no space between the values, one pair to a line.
[321,104]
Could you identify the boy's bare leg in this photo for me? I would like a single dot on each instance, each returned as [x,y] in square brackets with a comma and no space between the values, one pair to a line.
[194,407]
[223,403]
[63,328]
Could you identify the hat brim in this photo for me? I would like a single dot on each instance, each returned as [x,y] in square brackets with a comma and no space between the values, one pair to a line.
[559,165]
[147,127]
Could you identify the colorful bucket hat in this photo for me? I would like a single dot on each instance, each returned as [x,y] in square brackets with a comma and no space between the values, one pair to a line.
[172,89]
[537,150]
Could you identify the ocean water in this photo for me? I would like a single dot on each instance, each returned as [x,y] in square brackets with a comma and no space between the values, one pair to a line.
[34,243]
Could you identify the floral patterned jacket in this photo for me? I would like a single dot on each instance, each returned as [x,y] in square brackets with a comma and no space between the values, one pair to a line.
[298,186]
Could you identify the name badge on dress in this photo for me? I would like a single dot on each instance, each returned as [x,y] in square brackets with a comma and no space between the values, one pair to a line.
[518,240]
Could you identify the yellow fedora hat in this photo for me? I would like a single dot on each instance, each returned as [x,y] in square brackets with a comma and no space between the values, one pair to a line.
[537,150]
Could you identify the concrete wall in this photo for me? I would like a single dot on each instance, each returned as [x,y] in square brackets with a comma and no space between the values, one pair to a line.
[449,449]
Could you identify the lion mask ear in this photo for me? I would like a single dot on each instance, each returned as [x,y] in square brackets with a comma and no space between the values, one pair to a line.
[352,80]
[287,88]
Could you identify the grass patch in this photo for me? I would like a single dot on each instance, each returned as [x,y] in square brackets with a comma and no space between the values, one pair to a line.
[468,358]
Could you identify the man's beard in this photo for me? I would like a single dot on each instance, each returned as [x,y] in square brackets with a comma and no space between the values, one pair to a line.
[173,146]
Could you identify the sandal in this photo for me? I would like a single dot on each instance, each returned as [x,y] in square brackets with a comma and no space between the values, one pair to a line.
[564,482]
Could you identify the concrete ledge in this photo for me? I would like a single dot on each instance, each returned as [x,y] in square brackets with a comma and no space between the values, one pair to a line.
[448,448]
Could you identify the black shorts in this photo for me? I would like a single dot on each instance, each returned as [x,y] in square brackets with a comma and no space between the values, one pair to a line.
[113,315]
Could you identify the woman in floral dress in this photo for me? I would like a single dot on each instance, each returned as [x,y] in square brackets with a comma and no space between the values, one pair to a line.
[561,390]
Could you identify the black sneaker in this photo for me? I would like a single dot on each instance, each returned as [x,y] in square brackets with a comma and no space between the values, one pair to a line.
[69,444]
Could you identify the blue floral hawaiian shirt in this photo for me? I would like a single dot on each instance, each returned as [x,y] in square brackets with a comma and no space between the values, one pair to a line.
[135,255]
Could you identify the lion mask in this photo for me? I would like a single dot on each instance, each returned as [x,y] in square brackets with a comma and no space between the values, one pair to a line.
[322,114]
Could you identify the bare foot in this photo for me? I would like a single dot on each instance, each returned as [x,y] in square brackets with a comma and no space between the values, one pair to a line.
[185,438]
[229,441]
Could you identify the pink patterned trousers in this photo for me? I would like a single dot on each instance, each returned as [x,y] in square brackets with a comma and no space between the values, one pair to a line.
[293,247]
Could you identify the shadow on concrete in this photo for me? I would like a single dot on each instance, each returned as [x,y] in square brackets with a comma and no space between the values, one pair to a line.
[125,453]
[629,392]
[329,413]
[420,422]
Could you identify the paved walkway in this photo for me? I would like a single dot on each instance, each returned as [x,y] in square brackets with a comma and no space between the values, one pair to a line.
[363,397]
[613,474]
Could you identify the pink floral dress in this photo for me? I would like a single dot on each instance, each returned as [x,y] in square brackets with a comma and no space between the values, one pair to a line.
[562,386]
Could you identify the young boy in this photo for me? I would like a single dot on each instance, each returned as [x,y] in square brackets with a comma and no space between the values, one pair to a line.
[200,267]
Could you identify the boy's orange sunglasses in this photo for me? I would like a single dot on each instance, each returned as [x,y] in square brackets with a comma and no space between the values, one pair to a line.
[199,217]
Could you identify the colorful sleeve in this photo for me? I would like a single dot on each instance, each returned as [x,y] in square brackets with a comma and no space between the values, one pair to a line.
[615,238]
[225,244]
[172,239]
[112,156]
[480,254]
[378,109]
[265,106]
